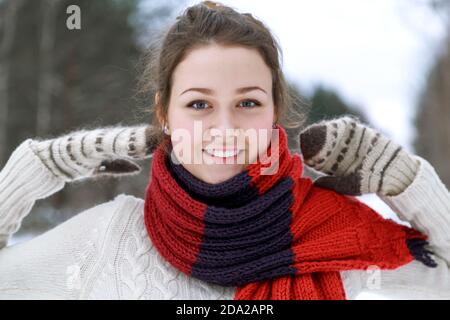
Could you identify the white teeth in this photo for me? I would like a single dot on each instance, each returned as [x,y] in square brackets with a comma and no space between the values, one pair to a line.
[221,153]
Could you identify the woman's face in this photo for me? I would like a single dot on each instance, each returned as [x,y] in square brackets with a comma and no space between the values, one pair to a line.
[221,111]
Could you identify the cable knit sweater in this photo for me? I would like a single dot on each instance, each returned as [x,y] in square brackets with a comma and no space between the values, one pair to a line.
[105,252]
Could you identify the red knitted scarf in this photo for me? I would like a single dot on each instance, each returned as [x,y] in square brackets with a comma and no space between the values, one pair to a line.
[272,236]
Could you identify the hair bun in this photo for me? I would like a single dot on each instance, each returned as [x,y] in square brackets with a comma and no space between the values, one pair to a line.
[211,4]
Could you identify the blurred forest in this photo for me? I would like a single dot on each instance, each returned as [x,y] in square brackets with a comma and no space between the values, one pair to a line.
[433,117]
[54,80]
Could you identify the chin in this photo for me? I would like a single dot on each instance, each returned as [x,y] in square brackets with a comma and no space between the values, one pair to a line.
[219,173]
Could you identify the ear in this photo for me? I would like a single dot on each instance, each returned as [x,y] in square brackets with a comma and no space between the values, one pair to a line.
[275,114]
[158,109]
[157,97]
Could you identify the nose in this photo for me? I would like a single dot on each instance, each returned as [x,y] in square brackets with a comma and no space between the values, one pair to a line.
[225,126]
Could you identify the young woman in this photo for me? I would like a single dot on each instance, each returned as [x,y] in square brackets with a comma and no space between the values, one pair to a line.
[222,228]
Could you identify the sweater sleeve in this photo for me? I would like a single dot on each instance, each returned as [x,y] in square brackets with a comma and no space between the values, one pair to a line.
[23,180]
[425,205]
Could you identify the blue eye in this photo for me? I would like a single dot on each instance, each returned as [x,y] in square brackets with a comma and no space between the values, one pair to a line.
[201,103]
[193,103]
[256,104]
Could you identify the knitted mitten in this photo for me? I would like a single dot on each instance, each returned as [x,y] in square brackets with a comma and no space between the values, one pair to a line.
[104,151]
[357,158]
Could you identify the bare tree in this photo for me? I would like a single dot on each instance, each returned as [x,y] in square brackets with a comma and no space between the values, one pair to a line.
[47,79]
[9,18]
[433,117]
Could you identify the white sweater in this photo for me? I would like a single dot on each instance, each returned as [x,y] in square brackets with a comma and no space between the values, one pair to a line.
[105,252]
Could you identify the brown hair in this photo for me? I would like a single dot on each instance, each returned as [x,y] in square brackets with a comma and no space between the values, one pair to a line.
[202,24]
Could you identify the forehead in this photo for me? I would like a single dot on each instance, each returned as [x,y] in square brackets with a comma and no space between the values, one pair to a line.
[222,67]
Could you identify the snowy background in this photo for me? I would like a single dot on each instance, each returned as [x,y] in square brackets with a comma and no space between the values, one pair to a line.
[375,54]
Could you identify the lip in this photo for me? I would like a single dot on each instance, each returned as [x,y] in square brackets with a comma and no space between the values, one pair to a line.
[224,149]
[235,156]
[221,150]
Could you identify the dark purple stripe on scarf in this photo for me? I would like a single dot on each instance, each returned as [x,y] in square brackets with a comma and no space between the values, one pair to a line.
[251,243]
[231,193]
[247,236]
[269,267]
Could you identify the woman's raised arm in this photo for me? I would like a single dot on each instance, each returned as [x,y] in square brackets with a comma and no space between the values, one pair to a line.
[425,204]
[37,169]
[23,180]
[359,160]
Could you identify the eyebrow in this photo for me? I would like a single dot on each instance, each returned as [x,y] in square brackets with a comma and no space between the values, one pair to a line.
[209,91]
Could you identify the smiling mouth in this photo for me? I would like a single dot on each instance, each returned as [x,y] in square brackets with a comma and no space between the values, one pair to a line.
[218,153]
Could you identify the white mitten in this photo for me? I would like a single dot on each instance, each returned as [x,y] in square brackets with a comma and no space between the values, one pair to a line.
[106,151]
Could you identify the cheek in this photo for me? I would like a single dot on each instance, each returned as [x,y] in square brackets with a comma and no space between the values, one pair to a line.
[262,126]
[259,143]
[187,141]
